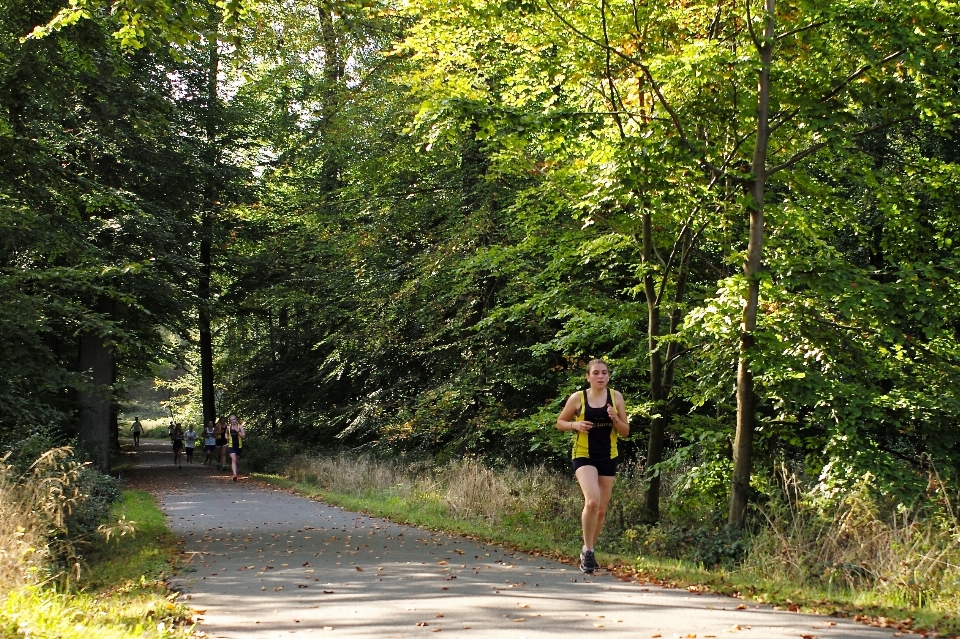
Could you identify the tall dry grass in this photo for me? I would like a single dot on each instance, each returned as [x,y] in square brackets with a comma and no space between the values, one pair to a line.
[33,508]
[908,555]
[464,489]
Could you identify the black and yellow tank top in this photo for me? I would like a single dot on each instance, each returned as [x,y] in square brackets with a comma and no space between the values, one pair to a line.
[601,441]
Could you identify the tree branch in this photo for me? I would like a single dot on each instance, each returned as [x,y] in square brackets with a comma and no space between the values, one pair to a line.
[799,155]
[675,119]
[753,34]
[615,101]
[801,29]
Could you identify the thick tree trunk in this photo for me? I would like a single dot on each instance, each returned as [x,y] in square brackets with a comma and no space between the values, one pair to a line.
[207,393]
[114,413]
[331,102]
[95,398]
[746,395]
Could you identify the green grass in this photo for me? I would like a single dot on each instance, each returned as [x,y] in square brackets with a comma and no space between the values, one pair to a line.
[120,593]
[560,540]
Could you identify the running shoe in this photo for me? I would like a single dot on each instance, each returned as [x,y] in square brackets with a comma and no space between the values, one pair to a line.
[588,562]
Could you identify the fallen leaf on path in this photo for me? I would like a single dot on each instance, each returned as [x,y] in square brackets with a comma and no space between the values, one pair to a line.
[740,607]
[523,605]
[328,592]
[279,588]
[519,620]
[421,624]
[359,568]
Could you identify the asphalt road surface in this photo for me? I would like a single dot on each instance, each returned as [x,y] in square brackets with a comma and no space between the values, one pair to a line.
[264,563]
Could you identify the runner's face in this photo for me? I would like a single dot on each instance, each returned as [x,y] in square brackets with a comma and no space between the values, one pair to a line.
[598,376]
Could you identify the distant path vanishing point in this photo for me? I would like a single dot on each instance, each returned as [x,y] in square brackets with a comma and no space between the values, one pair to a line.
[264,563]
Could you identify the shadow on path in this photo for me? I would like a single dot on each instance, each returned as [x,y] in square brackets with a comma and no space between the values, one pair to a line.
[261,562]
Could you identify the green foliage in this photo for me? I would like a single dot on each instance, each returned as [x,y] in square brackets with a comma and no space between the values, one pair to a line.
[265,454]
[459,203]
[99,494]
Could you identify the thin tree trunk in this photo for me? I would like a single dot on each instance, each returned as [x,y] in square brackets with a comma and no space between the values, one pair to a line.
[658,423]
[746,395]
[676,316]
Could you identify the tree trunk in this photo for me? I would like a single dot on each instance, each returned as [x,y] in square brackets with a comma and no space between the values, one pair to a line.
[658,422]
[746,395]
[114,412]
[207,393]
[331,102]
[95,398]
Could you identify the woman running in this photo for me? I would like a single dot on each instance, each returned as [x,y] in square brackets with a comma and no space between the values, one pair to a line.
[176,436]
[235,437]
[209,442]
[597,417]
[220,431]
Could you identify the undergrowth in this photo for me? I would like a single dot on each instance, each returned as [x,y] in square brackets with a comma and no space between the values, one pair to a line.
[64,573]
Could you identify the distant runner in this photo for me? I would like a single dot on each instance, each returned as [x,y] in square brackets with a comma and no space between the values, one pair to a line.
[176,436]
[190,441]
[235,443]
[137,431]
[221,435]
[209,442]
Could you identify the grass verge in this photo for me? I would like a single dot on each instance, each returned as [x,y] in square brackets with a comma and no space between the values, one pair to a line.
[120,592]
[546,529]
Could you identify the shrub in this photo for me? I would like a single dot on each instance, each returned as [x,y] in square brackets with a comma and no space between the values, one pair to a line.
[911,554]
[46,511]
[98,492]
[33,509]
[265,454]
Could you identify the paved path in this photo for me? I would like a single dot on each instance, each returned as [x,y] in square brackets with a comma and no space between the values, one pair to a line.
[264,563]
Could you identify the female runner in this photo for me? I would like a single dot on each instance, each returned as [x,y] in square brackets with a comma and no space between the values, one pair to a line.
[235,436]
[596,417]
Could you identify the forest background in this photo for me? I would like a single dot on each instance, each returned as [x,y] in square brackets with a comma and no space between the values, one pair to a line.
[400,229]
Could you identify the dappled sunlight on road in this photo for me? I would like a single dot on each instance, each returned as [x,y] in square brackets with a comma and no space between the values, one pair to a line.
[261,562]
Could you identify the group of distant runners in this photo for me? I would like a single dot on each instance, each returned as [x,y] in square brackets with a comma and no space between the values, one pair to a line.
[220,439]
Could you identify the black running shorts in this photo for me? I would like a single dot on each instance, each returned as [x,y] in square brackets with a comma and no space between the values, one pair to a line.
[605,467]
